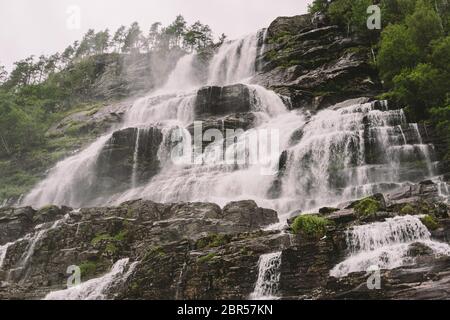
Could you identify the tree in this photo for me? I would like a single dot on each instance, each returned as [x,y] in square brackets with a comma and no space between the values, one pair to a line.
[421,88]
[18,131]
[395,11]
[133,39]
[424,25]
[101,41]
[318,6]
[3,75]
[198,37]
[67,55]
[52,63]
[397,52]
[440,56]
[22,73]
[154,35]
[119,39]
[86,46]
[222,39]
[176,31]
[39,69]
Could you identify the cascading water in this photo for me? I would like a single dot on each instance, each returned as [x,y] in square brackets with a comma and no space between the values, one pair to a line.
[268,277]
[3,251]
[70,180]
[96,289]
[234,62]
[385,245]
[339,154]
[350,152]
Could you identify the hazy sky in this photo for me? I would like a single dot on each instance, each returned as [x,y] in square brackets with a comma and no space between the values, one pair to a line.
[40,27]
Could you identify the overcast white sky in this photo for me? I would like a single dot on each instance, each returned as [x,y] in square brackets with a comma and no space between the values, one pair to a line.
[40,27]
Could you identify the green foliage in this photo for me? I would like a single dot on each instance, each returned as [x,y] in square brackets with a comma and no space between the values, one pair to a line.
[441,119]
[414,59]
[155,252]
[318,6]
[421,88]
[88,269]
[408,210]
[207,258]
[367,207]
[430,222]
[312,226]
[351,14]
[121,236]
[424,25]
[397,52]
[213,241]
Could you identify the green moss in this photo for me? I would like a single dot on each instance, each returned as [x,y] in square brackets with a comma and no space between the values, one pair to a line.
[155,252]
[101,237]
[367,207]
[121,236]
[407,210]
[280,37]
[310,225]
[430,222]
[213,241]
[207,258]
[88,268]
[111,248]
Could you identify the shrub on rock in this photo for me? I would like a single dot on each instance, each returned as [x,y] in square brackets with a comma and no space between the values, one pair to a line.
[311,226]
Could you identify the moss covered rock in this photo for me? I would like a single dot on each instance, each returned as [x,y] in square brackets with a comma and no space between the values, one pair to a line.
[311,226]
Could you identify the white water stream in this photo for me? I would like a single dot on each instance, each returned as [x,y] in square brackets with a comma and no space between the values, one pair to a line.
[385,245]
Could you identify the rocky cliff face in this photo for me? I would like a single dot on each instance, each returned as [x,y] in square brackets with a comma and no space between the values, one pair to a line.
[200,251]
[146,250]
[316,64]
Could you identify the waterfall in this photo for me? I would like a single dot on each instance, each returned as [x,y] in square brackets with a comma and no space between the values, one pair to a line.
[234,62]
[35,239]
[183,78]
[96,289]
[266,287]
[220,182]
[385,245]
[135,160]
[68,182]
[342,153]
[3,251]
[349,152]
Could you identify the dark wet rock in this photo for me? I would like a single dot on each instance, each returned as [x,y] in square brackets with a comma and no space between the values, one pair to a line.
[424,281]
[116,161]
[223,100]
[248,214]
[228,126]
[15,223]
[288,25]
[327,210]
[315,64]
[163,235]
[419,249]
[94,121]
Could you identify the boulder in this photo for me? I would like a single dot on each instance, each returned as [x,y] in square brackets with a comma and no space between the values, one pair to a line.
[116,162]
[222,100]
